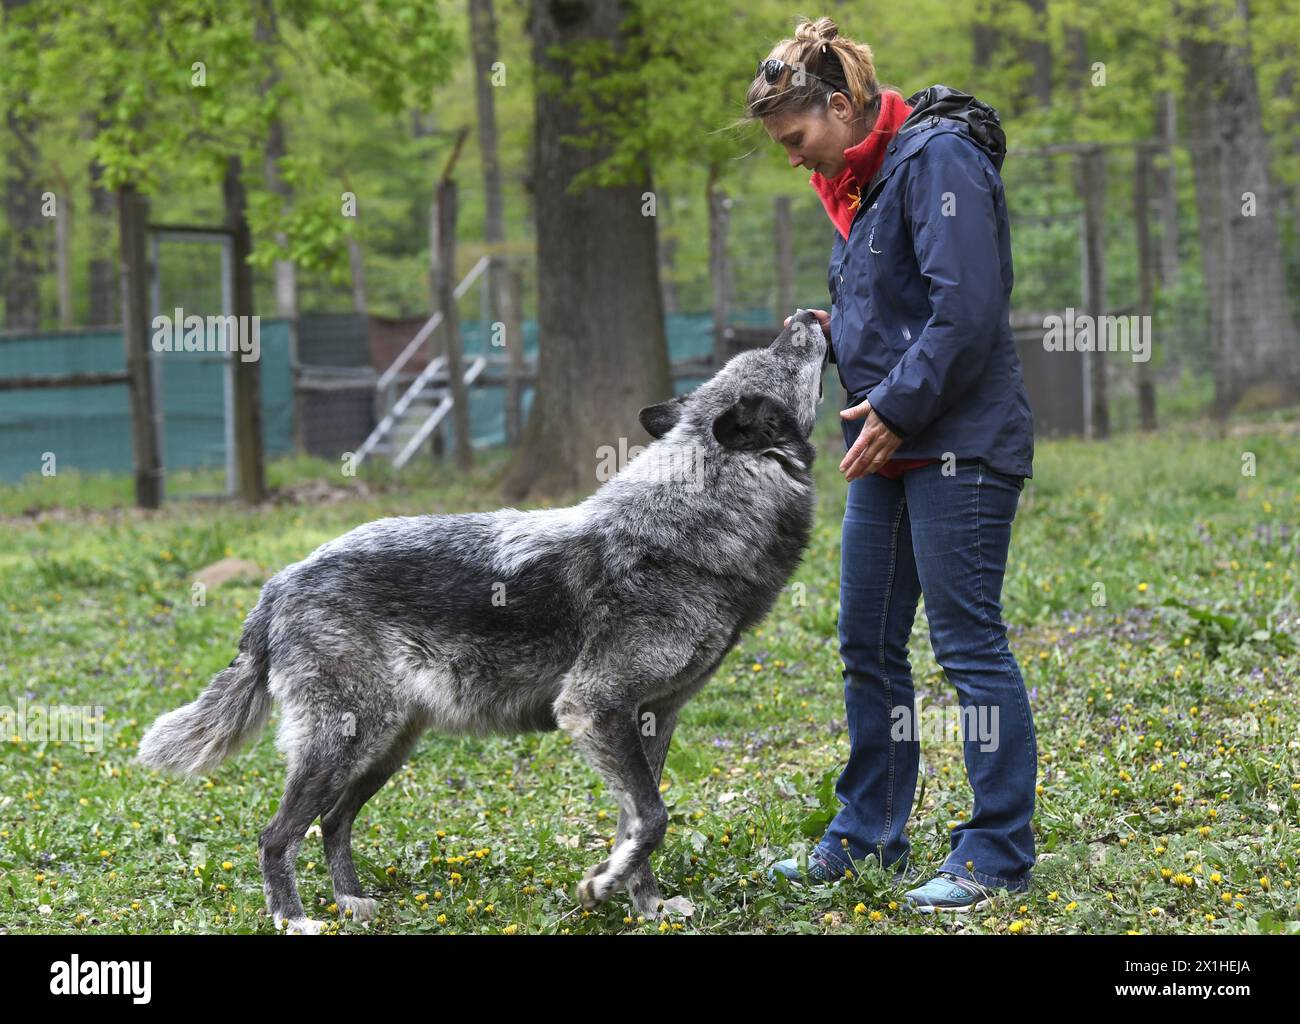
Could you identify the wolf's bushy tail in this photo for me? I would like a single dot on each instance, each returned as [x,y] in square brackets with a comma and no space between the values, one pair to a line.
[194,739]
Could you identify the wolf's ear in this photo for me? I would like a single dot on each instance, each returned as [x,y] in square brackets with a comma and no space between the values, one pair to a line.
[753,423]
[661,418]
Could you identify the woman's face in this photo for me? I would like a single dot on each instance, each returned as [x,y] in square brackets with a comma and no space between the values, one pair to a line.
[817,138]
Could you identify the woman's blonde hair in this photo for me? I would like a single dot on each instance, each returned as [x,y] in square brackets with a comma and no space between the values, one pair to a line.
[838,64]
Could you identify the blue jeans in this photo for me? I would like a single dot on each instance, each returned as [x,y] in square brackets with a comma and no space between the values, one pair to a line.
[945,536]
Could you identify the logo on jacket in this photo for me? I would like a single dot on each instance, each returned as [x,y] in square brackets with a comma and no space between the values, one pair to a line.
[871,239]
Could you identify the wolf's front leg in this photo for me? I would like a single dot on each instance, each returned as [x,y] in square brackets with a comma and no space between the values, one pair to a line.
[655,723]
[611,740]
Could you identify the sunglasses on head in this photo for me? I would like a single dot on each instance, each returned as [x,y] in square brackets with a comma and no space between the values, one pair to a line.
[772,67]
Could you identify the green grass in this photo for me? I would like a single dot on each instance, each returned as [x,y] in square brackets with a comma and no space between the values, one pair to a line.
[1167,733]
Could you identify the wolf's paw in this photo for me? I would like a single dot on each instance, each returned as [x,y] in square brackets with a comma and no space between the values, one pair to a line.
[363,907]
[593,890]
[298,925]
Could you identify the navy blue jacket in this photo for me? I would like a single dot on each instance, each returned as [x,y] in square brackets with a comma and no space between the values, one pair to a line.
[921,292]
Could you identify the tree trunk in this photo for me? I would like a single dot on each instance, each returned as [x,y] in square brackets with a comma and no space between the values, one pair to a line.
[1078,68]
[514,329]
[357,267]
[102,308]
[1091,184]
[63,253]
[267,34]
[985,36]
[132,233]
[783,246]
[1146,282]
[446,214]
[666,236]
[1036,50]
[1256,342]
[249,460]
[1167,130]
[483,36]
[603,354]
[22,189]
[719,265]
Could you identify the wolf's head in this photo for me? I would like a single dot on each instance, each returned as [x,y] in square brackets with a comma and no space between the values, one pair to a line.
[762,401]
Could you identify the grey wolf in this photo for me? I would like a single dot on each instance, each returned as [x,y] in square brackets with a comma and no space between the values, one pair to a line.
[587,619]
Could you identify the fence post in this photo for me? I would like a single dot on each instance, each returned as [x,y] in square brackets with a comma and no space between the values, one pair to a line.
[247,373]
[513,316]
[1091,183]
[451,320]
[784,250]
[719,269]
[1146,302]
[133,220]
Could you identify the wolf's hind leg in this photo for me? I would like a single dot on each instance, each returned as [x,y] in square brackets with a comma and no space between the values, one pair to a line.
[321,760]
[336,823]
[312,785]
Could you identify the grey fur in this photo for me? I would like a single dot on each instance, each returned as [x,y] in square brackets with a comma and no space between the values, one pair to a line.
[584,618]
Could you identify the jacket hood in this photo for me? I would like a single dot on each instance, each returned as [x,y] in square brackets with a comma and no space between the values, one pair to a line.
[980,119]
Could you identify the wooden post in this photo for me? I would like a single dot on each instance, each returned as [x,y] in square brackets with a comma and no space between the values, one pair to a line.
[132,222]
[666,236]
[719,269]
[784,250]
[1146,297]
[249,461]
[1092,186]
[451,320]
[513,316]
[63,252]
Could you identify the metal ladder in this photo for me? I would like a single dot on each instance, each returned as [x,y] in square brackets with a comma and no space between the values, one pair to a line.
[410,419]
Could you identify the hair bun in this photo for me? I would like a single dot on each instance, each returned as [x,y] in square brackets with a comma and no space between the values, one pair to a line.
[823,30]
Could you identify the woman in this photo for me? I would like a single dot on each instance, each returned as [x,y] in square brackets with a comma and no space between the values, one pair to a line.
[939,440]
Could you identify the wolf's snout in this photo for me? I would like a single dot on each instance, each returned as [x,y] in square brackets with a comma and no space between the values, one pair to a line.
[803,333]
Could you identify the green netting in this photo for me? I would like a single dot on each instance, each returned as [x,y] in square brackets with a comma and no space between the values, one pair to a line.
[89,428]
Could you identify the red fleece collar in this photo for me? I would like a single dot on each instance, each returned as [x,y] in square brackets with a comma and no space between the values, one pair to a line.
[842,195]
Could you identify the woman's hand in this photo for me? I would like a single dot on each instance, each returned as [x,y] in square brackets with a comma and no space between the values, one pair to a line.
[822,316]
[873,447]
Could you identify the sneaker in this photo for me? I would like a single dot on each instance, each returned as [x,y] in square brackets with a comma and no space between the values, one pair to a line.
[946,891]
[818,870]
